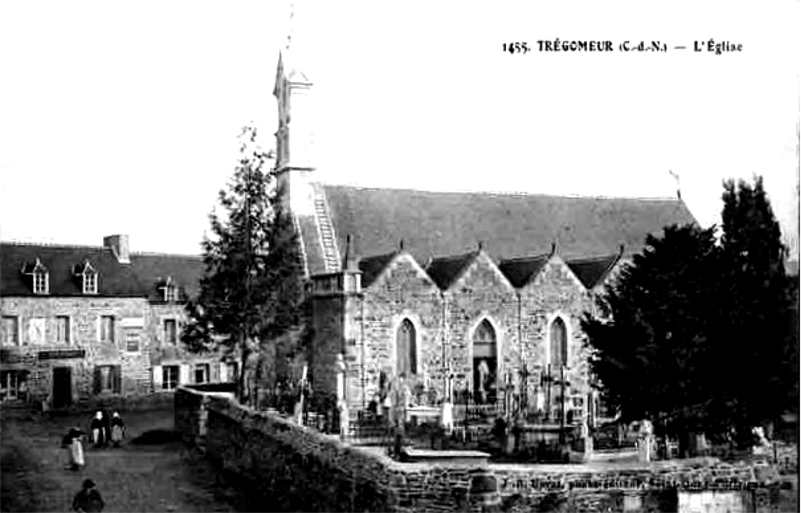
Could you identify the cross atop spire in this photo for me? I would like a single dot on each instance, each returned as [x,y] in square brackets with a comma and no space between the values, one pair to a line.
[288,57]
[291,26]
[678,182]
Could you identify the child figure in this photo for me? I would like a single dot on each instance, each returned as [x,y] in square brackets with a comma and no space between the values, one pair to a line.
[88,499]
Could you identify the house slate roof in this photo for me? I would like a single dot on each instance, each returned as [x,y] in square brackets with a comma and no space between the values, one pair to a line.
[140,278]
[507,225]
[445,270]
[592,271]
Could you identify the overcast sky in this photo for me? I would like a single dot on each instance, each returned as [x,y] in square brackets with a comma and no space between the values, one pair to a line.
[123,117]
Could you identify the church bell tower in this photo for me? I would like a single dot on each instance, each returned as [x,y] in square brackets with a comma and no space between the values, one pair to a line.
[295,159]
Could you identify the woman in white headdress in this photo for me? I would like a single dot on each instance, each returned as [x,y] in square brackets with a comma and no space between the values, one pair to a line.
[96,428]
[117,429]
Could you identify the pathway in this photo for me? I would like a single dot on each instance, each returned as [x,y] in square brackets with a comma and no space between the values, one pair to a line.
[160,476]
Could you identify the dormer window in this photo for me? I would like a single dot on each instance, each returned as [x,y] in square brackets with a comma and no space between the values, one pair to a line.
[41,282]
[87,276]
[90,283]
[40,277]
[169,290]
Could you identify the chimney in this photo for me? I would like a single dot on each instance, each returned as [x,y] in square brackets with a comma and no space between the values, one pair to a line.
[119,245]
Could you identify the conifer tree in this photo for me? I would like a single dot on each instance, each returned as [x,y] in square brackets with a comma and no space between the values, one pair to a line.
[759,370]
[251,292]
[700,335]
[653,337]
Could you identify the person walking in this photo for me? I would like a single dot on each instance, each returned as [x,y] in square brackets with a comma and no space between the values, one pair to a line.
[106,424]
[117,429]
[88,500]
[72,443]
[96,428]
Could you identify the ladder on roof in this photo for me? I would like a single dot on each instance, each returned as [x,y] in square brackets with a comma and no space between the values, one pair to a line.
[325,227]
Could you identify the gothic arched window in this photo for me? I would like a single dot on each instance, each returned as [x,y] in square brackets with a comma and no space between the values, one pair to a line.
[406,348]
[558,342]
[485,362]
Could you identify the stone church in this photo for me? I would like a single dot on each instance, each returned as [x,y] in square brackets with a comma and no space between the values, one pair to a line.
[459,292]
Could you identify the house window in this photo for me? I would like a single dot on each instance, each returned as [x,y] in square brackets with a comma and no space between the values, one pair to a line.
[63,329]
[41,282]
[108,379]
[37,330]
[171,331]
[169,377]
[406,349]
[132,339]
[107,328]
[202,373]
[11,330]
[485,362]
[89,282]
[231,369]
[558,342]
[88,277]
[170,292]
[39,276]
[13,385]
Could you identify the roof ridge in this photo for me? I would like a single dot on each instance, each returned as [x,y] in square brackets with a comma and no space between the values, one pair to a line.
[52,244]
[94,247]
[156,253]
[507,193]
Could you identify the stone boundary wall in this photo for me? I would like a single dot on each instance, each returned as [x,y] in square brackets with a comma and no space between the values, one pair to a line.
[191,414]
[293,468]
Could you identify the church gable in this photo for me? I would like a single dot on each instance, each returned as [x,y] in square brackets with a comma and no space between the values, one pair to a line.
[394,271]
[556,274]
[478,273]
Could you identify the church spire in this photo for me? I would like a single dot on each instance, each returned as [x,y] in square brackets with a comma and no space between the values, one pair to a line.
[294,139]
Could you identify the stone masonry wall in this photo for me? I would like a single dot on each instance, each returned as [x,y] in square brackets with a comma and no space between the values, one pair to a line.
[555,292]
[366,326]
[300,469]
[403,292]
[328,341]
[482,293]
[84,315]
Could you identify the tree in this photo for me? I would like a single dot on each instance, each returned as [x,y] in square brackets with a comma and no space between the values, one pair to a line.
[760,338]
[251,292]
[698,334]
[653,336]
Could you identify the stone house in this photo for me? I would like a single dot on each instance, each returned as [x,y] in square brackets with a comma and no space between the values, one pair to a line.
[82,322]
[486,290]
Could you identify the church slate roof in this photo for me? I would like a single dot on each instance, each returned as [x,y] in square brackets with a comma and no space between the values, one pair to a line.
[372,266]
[140,278]
[520,271]
[592,271]
[445,270]
[508,225]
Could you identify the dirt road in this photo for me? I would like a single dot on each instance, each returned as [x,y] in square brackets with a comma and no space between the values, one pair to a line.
[155,474]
